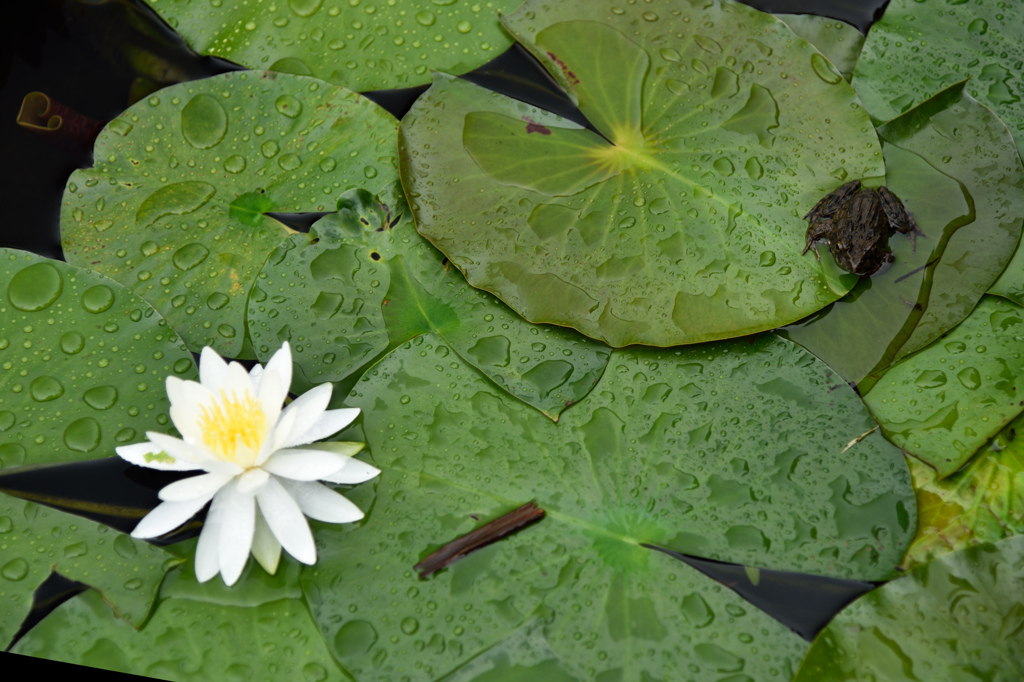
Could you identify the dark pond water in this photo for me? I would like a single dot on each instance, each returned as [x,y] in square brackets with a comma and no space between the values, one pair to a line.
[81,54]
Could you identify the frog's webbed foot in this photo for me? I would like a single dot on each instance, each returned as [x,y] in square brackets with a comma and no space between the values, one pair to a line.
[832,202]
[899,218]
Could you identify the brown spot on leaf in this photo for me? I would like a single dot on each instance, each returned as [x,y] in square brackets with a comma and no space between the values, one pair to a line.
[534,127]
[570,76]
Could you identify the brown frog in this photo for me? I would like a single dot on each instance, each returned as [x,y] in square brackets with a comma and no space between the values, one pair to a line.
[857,223]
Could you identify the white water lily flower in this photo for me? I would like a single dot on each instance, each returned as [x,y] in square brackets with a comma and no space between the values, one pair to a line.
[263,483]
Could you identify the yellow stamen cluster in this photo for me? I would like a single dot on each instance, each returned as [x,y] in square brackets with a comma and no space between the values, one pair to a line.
[234,428]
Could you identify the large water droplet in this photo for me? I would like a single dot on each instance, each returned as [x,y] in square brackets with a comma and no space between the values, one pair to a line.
[82,435]
[45,389]
[100,397]
[189,256]
[181,198]
[970,378]
[289,106]
[289,162]
[12,455]
[305,8]
[410,625]
[354,639]
[6,420]
[931,378]
[98,298]
[15,570]
[234,164]
[425,18]
[204,122]
[76,550]
[35,287]
[825,70]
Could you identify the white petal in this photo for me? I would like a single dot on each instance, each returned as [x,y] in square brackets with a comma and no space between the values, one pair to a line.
[321,503]
[256,375]
[354,471]
[149,455]
[301,415]
[285,519]
[281,365]
[208,549]
[303,465]
[328,424]
[204,485]
[265,546]
[236,532]
[167,516]
[252,480]
[187,402]
[212,368]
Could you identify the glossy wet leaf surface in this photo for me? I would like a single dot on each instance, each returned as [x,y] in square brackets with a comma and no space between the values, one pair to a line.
[363,280]
[671,448]
[682,223]
[360,44]
[920,47]
[246,633]
[83,363]
[837,40]
[945,402]
[35,540]
[173,205]
[983,502]
[958,617]
[955,166]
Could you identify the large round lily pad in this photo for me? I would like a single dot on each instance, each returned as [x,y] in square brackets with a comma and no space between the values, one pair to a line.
[945,402]
[363,281]
[956,618]
[681,221]
[360,44]
[173,207]
[732,451]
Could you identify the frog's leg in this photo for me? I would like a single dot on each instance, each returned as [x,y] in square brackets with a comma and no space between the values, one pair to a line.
[817,231]
[832,202]
[899,219]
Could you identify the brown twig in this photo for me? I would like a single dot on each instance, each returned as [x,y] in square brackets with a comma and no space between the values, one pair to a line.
[481,537]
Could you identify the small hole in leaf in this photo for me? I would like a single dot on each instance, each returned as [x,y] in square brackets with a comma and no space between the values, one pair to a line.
[374,255]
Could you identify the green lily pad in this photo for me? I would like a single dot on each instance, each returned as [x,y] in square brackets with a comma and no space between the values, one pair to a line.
[980,503]
[173,207]
[239,637]
[36,540]
[732,451]
[956,618]
[361,45]
[680,221]
[83,363]
[919,48]
[837,40]
[945,402]
[363,281]
[954,164]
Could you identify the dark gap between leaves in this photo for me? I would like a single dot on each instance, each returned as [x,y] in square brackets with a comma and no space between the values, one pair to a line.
[50,594]
[110,491]
[300,222]
[802,602]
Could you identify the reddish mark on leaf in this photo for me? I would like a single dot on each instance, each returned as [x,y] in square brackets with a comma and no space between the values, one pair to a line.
[534,127]
[573,80]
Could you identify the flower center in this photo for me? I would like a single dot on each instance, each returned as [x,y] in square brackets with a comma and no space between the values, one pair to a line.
[234,428]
